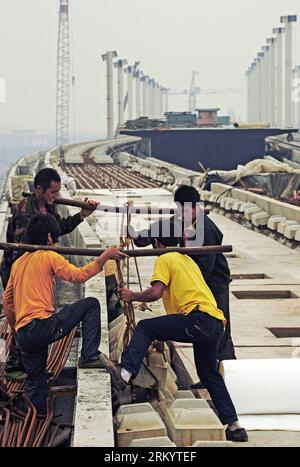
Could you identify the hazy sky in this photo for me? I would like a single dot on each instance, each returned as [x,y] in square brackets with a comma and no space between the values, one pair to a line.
[171,38]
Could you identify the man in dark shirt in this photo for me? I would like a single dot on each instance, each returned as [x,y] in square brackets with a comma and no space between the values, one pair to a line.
[47,184]
[214,268]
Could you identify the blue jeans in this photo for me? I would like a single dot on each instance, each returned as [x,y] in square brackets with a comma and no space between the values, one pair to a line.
[200,329]
[34,338]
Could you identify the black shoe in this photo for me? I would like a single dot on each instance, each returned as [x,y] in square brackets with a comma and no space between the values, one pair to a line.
[198,385]
[238,436]
[97,363]
[115,373]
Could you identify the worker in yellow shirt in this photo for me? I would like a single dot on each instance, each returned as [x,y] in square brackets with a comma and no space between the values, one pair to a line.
[28,303]
[192,316]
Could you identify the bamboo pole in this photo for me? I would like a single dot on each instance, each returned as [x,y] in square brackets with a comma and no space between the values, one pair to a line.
[115,209]
[147,252]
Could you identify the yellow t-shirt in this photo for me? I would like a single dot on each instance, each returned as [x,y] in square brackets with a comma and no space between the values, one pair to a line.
[185,286]
[30,291]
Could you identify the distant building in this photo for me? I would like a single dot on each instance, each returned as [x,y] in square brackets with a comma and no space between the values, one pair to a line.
[181,119]
[207,117]
[224,120]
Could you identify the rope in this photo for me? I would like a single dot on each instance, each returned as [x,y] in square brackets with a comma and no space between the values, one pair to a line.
[128,311]
[127,307]
[143,306]
[126,242]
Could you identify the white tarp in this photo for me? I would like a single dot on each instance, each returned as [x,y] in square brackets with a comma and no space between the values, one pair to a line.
[266,393]
[278,179]
[258,166]
[271,423]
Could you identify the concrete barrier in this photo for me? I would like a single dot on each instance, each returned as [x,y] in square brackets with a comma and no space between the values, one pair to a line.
[159,442]
[189,421]
[260,219]
[138,421]
[274,221]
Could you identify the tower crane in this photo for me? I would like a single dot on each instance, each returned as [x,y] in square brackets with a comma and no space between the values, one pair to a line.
[195,91]
[63,76]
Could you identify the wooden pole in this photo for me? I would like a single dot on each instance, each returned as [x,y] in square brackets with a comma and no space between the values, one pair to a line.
[155,210]
[204,250]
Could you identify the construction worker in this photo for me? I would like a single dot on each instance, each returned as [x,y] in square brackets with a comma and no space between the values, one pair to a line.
[192,316]
[214,268]
[47,185]
[28,303]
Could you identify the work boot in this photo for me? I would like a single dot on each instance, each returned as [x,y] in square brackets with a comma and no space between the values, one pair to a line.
[15,375]
[238,436]
[14,368]
[96,363]
[115,373]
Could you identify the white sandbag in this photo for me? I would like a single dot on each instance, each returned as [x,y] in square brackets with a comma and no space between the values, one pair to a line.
[271,423]
[263,386]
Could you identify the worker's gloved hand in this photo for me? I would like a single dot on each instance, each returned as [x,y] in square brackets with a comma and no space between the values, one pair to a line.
[125,294]
[87,212]
[158,346]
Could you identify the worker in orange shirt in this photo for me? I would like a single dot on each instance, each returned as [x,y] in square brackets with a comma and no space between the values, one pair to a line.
[28,303]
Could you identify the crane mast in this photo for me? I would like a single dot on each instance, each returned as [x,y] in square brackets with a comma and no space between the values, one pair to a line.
[63,76]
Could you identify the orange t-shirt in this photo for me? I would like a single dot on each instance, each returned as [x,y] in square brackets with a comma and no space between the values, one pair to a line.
[30,291]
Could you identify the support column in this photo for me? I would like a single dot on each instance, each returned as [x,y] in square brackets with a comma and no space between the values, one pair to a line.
[272,73]
[255,115]
[121,114]
[161,101]
[253,92]
[129,72]
[108,57]
[154,99]
[167,95]
[288,112]
[151,97]
[260,93]
[145,109]
[248,77]
[279,78]
[265,87]
[157,100]
[296,96]
[138,76]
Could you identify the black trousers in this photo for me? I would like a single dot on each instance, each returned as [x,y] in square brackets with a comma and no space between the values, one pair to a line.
[34,338]
[198,328]
[14,359]
[221,293]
